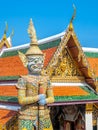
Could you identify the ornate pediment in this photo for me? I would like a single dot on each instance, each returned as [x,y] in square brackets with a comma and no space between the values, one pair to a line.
[69,63]
[64,68]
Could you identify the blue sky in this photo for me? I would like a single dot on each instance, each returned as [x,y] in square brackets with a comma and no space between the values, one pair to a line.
[50,17]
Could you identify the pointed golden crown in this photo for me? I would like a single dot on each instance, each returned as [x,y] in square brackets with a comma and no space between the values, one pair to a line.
[34,49]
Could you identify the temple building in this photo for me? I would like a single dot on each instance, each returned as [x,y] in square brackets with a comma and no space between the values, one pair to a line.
[73,73]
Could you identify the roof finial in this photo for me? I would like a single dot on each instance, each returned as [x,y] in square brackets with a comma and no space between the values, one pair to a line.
[72,18]
[12,33]
[32,33]
[6,27]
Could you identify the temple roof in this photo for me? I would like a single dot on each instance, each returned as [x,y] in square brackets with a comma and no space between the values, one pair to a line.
[48,45]
[6,116]
[62,93]
[11,67]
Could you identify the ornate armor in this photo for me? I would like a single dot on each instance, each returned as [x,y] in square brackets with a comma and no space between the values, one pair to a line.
[29,87]
[34,89]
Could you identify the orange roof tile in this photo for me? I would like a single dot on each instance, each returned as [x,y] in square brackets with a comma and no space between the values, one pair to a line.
[58,91]
[12,66]
[6,115]
[8,91]
[48,55]
[94,64]
[69,91]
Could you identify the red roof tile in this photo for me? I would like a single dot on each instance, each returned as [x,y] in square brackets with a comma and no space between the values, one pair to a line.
[6,115]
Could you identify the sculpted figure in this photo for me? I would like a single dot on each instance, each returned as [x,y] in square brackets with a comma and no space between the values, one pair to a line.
[34,89]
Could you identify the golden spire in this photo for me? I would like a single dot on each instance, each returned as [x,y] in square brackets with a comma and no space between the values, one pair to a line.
[6,27]
[32,33]
[72,18]
[12,33]
[5,31]
[34,49]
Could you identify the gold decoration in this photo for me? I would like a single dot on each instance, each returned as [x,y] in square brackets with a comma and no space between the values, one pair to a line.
[4,40]
[34,49]
[12,33]
[89,108]
[81,56]
[32,33]
[59,64]
[64,67]
[67,79]
[6,28]
[43,72]
[73,17]
[95,114]
[94,122]
[23,58]
[96,83]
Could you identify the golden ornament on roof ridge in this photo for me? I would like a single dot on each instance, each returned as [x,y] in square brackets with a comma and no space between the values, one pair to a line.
[72,18]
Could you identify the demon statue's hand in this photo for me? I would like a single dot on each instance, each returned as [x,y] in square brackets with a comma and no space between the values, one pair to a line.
[42,102]
[42,96]
[42,99]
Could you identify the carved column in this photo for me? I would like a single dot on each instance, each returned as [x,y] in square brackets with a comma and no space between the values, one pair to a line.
[89,117]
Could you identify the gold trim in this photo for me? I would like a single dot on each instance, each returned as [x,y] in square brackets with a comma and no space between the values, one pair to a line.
[89,108]
[71,79]
[4,41]
[96,106]
[94,122]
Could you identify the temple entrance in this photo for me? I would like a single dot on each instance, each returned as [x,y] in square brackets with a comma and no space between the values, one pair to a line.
[68,117]
[69,125]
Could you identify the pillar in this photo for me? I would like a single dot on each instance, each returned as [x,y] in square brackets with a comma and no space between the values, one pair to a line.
[89,117]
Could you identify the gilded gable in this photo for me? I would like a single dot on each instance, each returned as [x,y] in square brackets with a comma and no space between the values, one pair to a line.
[64,68]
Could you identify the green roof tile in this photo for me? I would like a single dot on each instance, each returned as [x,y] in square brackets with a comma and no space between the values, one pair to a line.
[91,54]
[42,47]
[91,96]
[8,99]
[9,77]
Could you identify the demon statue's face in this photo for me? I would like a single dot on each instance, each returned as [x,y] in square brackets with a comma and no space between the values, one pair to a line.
[35,64]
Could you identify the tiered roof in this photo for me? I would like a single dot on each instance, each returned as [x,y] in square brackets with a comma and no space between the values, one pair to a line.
[11,68]
[10,59]
[6,117]
[66,89]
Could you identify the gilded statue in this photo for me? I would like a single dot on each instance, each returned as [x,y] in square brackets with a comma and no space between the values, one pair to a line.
[34,89]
